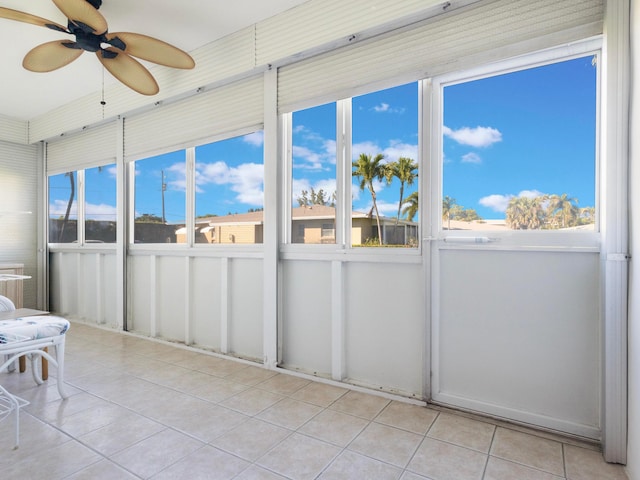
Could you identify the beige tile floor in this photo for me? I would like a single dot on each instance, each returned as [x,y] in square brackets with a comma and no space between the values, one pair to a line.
[143,409]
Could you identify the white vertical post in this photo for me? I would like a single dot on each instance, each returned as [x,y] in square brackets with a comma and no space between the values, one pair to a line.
[338,367]
[615,153]
[99,288]
[153,297]
[187,300]
[122,227]
[272,216]
[224,305]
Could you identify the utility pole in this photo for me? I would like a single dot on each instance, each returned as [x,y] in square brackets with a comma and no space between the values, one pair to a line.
[164,189]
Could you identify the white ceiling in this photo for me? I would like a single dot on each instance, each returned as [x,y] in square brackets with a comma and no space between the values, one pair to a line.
[187,24]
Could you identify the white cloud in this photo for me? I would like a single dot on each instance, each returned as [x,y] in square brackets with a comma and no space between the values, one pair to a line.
[59,207]
[499,203]
[246,180]
[256,139]
[478,137]
[383,107]
[101,212]
[328,185]
[530,193]
[395,150]
[472,157]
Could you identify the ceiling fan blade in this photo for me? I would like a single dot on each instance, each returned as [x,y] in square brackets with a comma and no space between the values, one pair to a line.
[83,13]
[32,19]
[150,49]
[129,71]
[51,56]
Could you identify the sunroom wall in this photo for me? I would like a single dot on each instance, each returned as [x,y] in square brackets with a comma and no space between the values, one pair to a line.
[235,326]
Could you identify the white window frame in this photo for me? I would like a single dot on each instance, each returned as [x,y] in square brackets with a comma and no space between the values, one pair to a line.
[513,239]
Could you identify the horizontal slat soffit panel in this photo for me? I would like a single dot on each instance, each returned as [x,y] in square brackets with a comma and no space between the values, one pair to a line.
[319,22]
[224,58]
[92,147]
[14,131]
[449,42]
[210,113]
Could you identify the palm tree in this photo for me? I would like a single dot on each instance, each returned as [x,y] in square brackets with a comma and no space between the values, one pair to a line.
[448,207]
[405,170]
[411,208]
[563,207]
[368,169]
[524,213]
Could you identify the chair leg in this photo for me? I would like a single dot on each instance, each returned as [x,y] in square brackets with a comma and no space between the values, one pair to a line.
[45,365]
[60,372]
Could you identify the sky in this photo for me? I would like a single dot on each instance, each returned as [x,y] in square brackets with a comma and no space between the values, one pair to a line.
[525,133]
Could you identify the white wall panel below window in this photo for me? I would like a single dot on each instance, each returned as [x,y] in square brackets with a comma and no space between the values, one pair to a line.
[307,316]
[445,43]
[221,110]
[518,335]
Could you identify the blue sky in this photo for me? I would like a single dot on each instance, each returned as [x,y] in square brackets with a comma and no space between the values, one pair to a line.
[524,133]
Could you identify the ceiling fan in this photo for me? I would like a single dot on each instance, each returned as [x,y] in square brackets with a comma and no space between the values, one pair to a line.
[114,50]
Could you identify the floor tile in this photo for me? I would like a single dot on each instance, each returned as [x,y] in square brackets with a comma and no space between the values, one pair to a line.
[207,463]
[283,384]
[254,472]
[463,431]
[154,454]
[350,465]
[388,444]
[442,461]
[252,401]
[299,457]
[529,450]
[413,418]
[290,413]
[35,437]
[251,375]
[583,464]
[319,394]
[120,434]
[251,439]
[498,469]
[334,427]
[360,404]
[208,422]
[103,470]
[57,463]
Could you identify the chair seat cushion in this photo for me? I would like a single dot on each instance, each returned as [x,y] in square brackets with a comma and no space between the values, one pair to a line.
[33,328]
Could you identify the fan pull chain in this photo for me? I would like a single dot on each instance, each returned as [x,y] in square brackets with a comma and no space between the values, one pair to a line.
[102,102]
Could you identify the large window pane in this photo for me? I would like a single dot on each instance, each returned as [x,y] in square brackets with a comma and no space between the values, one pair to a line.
[63,208]
[520,149]
[385,167]
[100,204]
[160,192]
[230,191]
[313,186]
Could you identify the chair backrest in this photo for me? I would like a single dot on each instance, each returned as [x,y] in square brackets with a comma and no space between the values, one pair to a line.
[6,305]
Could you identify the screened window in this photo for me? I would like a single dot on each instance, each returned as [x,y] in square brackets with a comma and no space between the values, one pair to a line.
[63,208]
[100,204]
[520,149]
[385,167]
[160,193]
[229,190]
[313,186]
